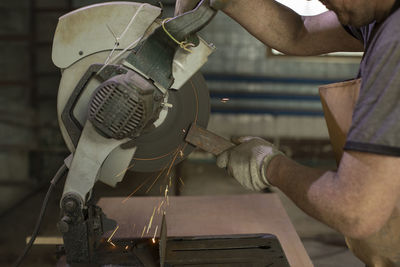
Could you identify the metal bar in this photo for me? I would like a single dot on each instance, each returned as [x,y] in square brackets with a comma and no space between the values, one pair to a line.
[207,140]
[46,240]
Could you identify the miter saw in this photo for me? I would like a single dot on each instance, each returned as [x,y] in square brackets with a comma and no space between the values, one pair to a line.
[128,93]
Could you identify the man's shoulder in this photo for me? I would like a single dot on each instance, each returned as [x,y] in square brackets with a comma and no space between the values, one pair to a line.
[389,30]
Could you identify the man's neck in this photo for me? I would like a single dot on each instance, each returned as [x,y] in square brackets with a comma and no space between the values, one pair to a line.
[384,9]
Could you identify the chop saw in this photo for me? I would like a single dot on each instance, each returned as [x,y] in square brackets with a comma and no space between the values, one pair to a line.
[129,92]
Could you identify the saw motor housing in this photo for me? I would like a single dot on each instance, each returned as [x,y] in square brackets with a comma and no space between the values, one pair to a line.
[124,105]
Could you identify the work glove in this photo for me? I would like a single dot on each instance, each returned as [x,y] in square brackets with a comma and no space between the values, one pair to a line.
[248,162]
[183,6]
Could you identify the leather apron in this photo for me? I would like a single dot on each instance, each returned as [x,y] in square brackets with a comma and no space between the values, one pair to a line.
[381,249]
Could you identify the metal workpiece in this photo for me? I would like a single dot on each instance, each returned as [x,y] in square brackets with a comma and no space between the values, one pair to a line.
[207,141]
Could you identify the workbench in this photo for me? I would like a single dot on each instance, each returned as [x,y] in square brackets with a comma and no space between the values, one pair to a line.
[207,216]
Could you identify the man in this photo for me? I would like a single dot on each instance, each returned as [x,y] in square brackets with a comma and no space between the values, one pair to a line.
[362,198]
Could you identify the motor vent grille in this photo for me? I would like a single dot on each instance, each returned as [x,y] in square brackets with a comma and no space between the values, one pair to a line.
[116,111]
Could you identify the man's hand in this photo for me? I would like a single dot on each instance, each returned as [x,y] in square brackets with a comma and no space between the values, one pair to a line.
[248,162]
[183,6]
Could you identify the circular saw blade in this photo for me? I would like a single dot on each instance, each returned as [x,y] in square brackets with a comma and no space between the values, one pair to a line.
[165,146]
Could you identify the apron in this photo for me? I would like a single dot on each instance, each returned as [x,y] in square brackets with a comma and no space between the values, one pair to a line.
[381,249]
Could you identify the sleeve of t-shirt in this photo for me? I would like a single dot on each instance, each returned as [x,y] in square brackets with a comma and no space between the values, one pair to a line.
[376,118]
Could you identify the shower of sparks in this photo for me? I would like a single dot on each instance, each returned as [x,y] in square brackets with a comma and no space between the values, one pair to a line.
[170,164]
[155,180]
[113,233]
[151,220]
[137,189]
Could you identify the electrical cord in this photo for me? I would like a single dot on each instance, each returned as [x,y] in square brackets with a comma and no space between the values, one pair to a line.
[60,173]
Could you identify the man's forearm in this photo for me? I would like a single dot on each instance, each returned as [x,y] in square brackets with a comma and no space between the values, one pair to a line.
[281,28]
[327,197]
[269,21]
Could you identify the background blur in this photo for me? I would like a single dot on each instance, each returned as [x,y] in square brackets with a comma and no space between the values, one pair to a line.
[275,97]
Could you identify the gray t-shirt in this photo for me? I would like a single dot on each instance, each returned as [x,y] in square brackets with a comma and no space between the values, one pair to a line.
[376,119]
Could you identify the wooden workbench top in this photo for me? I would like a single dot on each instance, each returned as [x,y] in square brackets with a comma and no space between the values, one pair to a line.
[208,215]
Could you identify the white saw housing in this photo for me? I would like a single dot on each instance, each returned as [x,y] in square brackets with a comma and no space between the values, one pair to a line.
[103,33]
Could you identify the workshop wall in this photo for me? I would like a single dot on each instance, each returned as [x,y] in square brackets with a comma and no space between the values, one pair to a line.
[16,110]
[271,97]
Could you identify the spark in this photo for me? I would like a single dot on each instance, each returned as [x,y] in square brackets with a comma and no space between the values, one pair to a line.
[144,229]
[170,181]
[180,179]
[155,180]
[166,195]
[113,233]
[225,99]
[154,236]
[173,160]
[127,247]
[181,154]
[159,207]
[112,244]
[122,172]
[183,130]
[166,191]
[151,220]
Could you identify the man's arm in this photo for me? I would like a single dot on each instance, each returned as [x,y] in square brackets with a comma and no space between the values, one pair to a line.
[356,200]
[283,29]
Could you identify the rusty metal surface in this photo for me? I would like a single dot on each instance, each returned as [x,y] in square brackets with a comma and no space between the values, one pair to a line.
[206,140]
[208,215]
